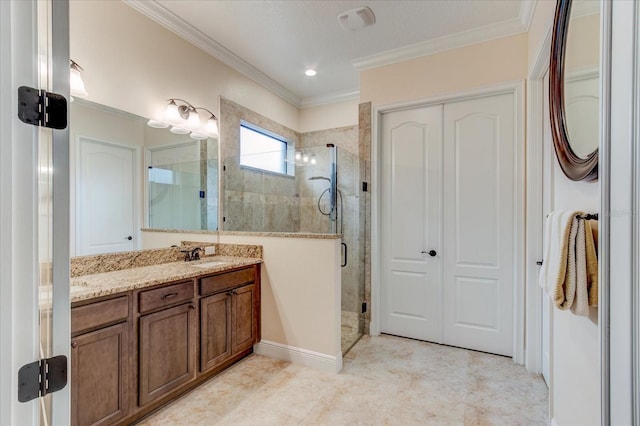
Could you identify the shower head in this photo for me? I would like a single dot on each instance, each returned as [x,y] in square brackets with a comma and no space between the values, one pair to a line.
[319,177]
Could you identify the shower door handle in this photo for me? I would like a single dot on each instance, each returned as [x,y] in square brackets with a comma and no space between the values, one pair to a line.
[345,254]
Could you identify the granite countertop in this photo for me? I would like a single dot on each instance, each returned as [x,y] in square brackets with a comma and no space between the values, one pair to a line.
[95,285]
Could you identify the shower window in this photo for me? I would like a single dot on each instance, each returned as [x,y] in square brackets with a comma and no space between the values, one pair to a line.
[263,150]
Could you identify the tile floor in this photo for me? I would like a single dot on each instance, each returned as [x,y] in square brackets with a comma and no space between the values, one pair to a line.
[386,380]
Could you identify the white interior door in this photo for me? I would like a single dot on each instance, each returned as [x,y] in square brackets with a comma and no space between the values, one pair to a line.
[411,210]
[479,203]
[105,217]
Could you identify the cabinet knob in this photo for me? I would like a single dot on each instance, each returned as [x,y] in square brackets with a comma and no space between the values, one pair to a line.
[74,344]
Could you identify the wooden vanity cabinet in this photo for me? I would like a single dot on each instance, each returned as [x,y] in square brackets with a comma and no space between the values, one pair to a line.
[228,317]
[167,340]
[100,362]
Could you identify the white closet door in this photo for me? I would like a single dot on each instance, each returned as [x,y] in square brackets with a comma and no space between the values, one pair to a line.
[105,215]
[479,179]
[411,191]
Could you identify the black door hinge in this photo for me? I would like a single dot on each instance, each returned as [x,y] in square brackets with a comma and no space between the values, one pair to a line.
[364,307]
[42,108]
[42,377]
[365,186]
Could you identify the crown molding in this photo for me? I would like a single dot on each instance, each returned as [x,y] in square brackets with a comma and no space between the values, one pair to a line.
[466,38]
[527,7]
[331,98]
[169,20]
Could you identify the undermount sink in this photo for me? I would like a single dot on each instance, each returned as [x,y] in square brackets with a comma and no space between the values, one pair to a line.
[210,264]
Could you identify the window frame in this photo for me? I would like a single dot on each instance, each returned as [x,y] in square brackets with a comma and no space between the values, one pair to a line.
[287,151]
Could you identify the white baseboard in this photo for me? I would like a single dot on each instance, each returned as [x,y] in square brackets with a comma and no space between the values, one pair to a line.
[317,360]
[553,422]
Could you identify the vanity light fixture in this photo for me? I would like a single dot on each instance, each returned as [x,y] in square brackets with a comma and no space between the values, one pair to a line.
[75,80]
[183,118]
[304,157]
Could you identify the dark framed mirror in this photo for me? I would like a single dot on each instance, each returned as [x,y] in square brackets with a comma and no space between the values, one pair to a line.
[574,87]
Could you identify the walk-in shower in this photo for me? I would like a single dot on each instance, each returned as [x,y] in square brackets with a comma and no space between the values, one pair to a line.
[321,195]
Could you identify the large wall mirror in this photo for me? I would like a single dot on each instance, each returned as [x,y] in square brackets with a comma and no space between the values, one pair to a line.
[126,176]
[574,87]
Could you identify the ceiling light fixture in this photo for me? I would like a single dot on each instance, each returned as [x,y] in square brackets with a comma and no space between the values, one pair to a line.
[183,118]
[310,72]
[75,80]
[357,19]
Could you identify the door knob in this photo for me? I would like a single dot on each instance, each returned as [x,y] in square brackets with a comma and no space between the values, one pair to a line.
[129,238]
[431,253]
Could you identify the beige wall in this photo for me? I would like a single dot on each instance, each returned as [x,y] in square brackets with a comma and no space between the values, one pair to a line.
[321,117]
[300,286]
[456,70]
[541,23]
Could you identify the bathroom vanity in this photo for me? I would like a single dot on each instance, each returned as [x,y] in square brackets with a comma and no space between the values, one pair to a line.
[141,337]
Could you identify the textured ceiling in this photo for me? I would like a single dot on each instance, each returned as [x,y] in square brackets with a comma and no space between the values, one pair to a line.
[281,39]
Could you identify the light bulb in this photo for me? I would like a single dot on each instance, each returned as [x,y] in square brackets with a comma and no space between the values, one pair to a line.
[75,82]
[157,124]
[211,129]
[313,160]
[305,158]
[171,114]
[178,130]
[193,122]
[197,136]
[298,155]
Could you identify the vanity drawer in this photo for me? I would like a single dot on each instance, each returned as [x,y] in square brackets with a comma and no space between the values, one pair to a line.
[99,314]
[165,296]
[227,280]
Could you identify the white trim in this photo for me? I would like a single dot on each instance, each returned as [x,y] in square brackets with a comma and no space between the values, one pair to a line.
[18,239]
[348,95]
[534,225]
[527,8]
[517,89]
[441,44]
[554,422]
[317,360]
[188,32]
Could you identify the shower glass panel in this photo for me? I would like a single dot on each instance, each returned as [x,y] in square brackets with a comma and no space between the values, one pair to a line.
[319,193]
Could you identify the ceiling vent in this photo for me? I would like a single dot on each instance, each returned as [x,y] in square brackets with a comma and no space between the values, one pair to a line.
[357,19]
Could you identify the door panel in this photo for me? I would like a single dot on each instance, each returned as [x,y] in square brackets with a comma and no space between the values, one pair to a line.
[106,198]
[215,330]
[479,140]
[411,212]
[244,333]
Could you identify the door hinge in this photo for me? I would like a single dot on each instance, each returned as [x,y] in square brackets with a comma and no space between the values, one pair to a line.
[42,377]
[365,186]
[364,307]
[42,108]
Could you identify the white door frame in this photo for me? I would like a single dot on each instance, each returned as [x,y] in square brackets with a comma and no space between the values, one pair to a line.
[19,275]
[517,89]
[535,225]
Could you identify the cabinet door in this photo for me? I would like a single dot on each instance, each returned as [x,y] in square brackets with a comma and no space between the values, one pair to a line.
[215,330]
[244,321]
[167,351]
[100,376]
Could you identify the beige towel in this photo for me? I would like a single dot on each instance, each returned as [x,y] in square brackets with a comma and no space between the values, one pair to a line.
[580,304]
[556,277]
[591,252]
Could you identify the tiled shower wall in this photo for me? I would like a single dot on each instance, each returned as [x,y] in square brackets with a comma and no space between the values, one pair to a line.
[263,202]
[254,201]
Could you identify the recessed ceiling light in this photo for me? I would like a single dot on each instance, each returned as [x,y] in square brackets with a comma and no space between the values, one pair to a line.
[310,72]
